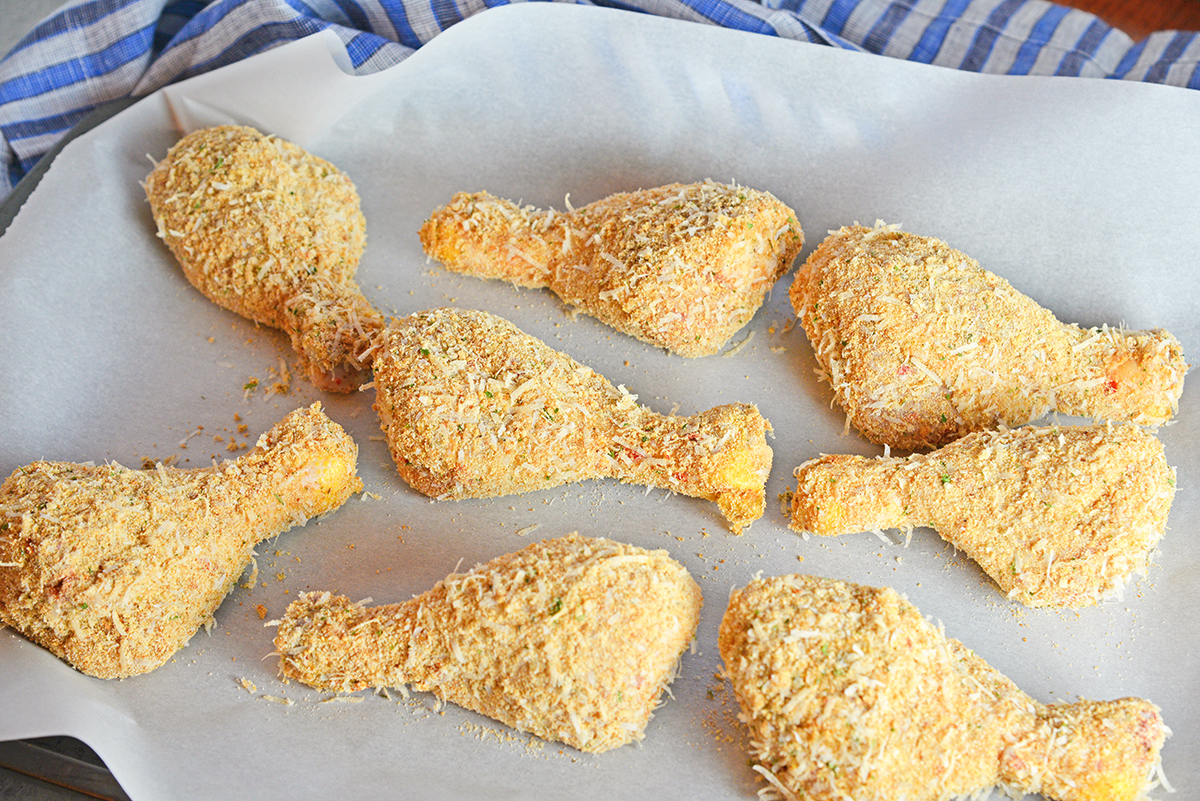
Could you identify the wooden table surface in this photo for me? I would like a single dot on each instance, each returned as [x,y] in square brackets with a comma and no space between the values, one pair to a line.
[1140,17]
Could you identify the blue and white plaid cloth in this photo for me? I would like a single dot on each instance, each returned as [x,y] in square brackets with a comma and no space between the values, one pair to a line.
[94,51]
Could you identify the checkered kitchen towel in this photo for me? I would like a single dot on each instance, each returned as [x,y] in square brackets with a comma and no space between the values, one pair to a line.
[93,51]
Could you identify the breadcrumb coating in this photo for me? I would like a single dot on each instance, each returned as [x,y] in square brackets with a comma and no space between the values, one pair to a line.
[114,570]
[849,693]
[572,639]
[683,266]
[267,230]
[922,346]
[472,407]
[1057,516]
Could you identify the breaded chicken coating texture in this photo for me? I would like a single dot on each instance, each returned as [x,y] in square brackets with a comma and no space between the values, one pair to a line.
[114,570]
[270,231]
[472,407]
[849,693]
[683,266]
[921,345]
[1057,516]
[571,639]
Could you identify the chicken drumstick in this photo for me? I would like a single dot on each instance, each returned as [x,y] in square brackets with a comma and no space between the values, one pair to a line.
[849,692]
[1056,516]
[679,266]
[115,569]
[473,408]
[571,639]
[921,345]
[271,232]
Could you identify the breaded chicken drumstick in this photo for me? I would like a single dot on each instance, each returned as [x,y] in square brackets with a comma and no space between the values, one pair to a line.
[679,266]
[849,692]
[572,639]
[1058,517]
[474,408]
[115,569]
[921,345]
[269,231]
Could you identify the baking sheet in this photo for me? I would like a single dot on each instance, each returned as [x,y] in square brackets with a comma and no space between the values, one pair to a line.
[1080,192]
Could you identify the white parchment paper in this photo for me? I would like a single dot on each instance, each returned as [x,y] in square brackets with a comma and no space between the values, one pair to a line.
[1082,193]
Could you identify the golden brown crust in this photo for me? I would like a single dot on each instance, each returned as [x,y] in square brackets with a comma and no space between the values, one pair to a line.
[472,407]
[572,639]
[850,693]
[269,231]
[680,266]
[922,346]
[114,569]
[1057,516]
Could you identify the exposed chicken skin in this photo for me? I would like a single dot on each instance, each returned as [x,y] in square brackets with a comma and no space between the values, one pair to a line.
[269,231]
[850,693]
[472,408]
[571,639]
[921,345]
[114,569]
[1056,516]
[679,266]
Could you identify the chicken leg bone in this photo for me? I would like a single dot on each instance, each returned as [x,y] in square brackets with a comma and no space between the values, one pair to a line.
[114,569]
[849,692]
[271,232]
[679,266]
[922,346]
[572,639]
[473,408]
[1057,516]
